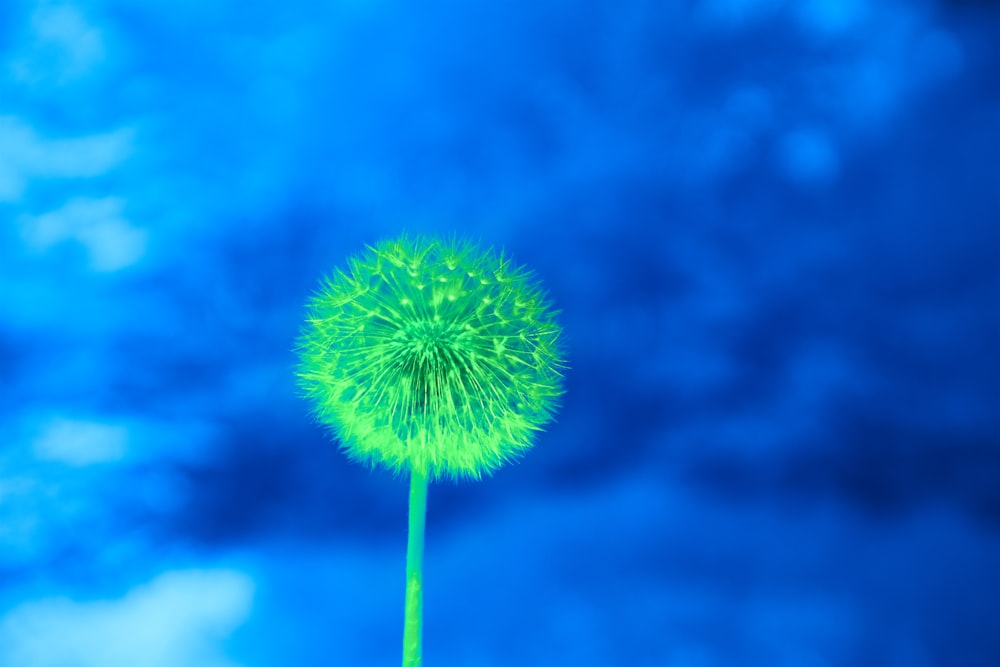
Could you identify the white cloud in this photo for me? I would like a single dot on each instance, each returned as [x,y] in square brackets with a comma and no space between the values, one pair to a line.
[81,443]
[939,55]
[735,13]
[831,18]
[62,45]
[24,155]
[179,618]
[99,225]
[808,156]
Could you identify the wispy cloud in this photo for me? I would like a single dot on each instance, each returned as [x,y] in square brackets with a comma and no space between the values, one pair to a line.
[179,618]
[99,225]
[61,45]
[80,443]
[25,155]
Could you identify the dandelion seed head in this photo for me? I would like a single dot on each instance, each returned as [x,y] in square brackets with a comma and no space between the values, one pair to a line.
[432,355]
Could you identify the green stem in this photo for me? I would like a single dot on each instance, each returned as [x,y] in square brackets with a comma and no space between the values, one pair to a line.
[414,569]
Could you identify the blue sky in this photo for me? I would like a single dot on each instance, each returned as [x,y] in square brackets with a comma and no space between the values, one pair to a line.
[771,230]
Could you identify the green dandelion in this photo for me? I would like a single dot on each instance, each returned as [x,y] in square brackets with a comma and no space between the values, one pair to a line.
[432,358]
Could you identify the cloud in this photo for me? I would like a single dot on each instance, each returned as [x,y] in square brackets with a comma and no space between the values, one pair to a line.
[735,13]
[67,482]
[62,46]
[111,242]
[179,618]
[24,155]
[831,18]
[81,443]
[808,156]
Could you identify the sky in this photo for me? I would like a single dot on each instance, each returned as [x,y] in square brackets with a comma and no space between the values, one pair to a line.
[770,228]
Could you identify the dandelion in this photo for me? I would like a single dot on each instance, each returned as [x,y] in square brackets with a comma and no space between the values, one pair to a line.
[432,358]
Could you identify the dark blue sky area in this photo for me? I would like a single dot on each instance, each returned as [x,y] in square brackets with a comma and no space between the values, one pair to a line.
[771,228]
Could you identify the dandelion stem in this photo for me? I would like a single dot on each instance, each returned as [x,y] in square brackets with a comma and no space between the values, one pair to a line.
[414,569]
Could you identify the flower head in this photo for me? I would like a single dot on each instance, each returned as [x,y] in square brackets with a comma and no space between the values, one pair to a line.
[432,355]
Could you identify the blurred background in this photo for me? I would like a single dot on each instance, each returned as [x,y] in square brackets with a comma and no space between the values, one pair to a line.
[771,227]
